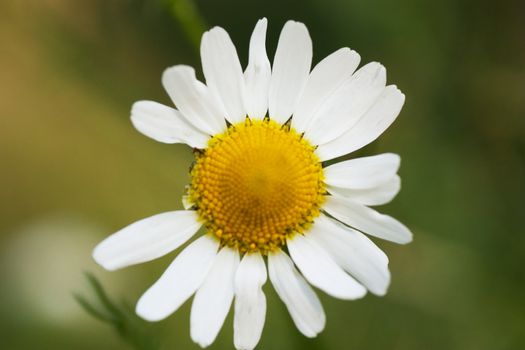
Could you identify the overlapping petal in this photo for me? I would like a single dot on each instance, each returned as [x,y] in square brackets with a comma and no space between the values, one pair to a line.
[165,124]
[354,252]
[324,80]
[367,220]
[372,124]
[378,195]
[213,299]
[194,100]
[321,270]
[347,104]
[223,72]
[180,280]
[300,299]
[365,172]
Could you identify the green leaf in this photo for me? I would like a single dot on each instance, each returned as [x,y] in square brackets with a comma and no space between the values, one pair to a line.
[121,317]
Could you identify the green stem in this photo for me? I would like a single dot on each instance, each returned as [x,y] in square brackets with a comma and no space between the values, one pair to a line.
[191,20]
[133,330]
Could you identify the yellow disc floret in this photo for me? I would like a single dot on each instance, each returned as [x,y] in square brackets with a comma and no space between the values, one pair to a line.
[257,184]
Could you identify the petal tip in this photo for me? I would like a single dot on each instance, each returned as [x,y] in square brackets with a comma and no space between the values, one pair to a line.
[216,30]
[407,239]
[353,53]
[362,293]
[137,104]
[396,90]
[381,290]
[144,312]
[101,257]
[203,343]
[296,25]
[182,68]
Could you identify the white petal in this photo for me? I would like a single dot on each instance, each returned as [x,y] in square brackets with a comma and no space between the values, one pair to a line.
[291,66]
[378,195]
[349,103]
[194,100]
[258,74]
[366,172]
[180,280]
[146,239]
[300,299]
[354,252]
[165,124]
[213,299]
[368,128]
[250,302]
[325,78]
[367,220]
[321,270]
[223,72]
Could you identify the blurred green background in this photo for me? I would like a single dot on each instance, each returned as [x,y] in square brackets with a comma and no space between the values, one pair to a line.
[73,169]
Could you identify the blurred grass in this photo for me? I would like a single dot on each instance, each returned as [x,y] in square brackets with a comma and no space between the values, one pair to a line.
[71,70]
[131,328]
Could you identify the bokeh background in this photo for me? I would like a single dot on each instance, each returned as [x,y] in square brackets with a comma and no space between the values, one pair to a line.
[73,169]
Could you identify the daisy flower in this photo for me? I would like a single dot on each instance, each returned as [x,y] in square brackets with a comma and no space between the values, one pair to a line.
[260,188]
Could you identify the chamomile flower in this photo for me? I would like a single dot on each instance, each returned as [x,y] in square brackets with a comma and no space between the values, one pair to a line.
[260,189]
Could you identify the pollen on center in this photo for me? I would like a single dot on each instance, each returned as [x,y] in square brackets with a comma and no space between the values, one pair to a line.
[257,184]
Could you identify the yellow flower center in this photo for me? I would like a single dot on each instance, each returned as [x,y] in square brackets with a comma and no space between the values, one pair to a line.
[257,184]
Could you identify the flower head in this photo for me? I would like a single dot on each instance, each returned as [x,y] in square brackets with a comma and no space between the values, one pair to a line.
[260,188]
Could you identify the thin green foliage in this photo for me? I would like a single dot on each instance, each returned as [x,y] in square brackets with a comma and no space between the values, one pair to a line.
[121,317]
[187,14]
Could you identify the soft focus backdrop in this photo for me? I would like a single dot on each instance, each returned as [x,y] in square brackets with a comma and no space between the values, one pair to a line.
[73,169]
